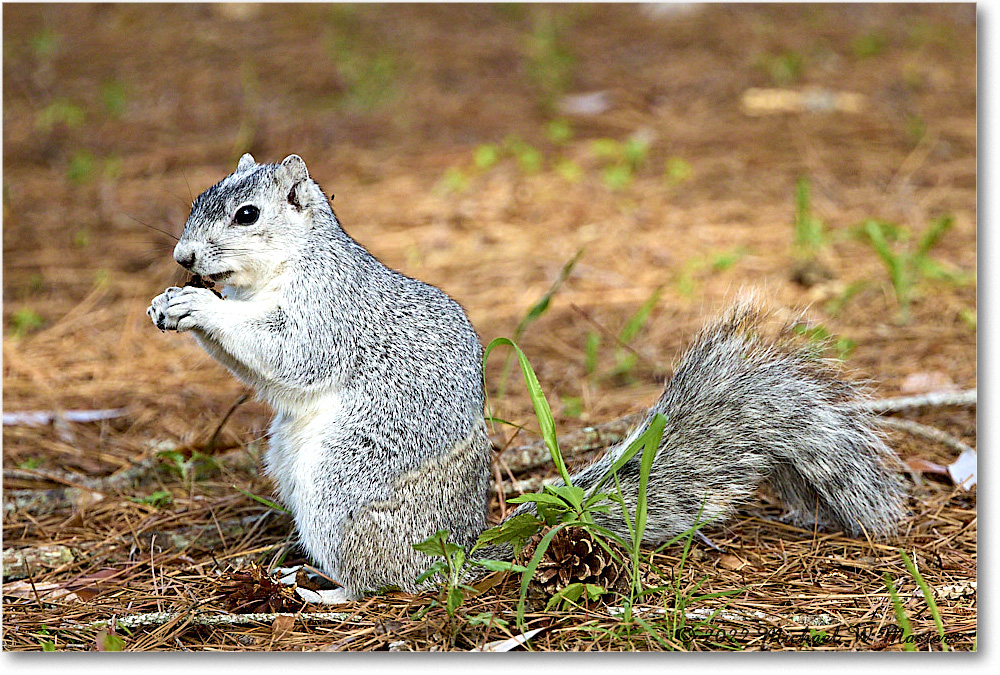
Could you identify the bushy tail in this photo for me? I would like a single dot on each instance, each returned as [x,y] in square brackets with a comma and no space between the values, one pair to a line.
[743,410]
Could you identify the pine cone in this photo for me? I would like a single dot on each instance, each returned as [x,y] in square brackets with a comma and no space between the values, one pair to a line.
[254,590]
[574,557]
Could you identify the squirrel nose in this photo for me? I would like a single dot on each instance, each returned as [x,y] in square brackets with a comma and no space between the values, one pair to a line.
[184,256]
[187,262]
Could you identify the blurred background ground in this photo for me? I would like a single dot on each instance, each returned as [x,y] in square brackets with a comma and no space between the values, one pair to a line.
[479,148]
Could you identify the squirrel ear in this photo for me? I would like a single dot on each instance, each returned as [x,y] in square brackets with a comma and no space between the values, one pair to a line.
[293,171]
[296,168]
[246,161]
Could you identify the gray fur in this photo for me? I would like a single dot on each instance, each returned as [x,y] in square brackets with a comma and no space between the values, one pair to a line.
[376,379]
[743,410]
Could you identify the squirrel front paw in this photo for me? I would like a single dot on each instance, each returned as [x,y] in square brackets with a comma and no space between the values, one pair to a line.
[179,308]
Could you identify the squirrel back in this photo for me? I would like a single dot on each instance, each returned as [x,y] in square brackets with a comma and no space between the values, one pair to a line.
[376,380]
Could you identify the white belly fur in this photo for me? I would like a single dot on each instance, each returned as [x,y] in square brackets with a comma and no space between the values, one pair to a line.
[293,457]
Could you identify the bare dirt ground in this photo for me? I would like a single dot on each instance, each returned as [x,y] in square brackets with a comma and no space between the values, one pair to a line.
[462,150]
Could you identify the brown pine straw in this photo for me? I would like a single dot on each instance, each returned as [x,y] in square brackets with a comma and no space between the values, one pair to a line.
[496,247]
[128,569]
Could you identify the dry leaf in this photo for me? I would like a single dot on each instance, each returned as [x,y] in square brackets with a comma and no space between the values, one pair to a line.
[45,592]
[282,627]
[732,562]
[923,382]
[921,465]
[964,469]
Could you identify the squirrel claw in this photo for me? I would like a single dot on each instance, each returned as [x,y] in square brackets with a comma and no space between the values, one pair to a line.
[708,542]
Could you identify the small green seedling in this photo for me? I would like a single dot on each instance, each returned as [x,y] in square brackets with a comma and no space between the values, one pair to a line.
[569,170]
[676,170]
[369,75]
[809,230]
[621,159]
[869,45]
[549,59]
[44,43]
[534,313]
[822,340]
[113,98]
[572,406]
[187,468]
[528,157]
[81,167]
[784,68]
[60,111]
[156,499]
[25,321]
[968,316]
[570,596]
[626,359]
[907,265]
[486,619]
[452,565]
[485,156]
[453,181]
[686,280]
[112,643]
[559,131]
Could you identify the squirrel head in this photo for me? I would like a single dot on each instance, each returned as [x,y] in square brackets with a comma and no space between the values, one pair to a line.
[244,229]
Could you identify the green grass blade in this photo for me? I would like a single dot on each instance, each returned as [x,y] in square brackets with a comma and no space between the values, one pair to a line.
[534,312]
[262,500]
[881,247]
[901,618]
[500,420]
[590,354]
[933,235]
[632,449]
[543,412]
[653,436]
[654,633]
[928,596]
[641,316]
[543,303]
[526,577]
[808,229]
[896,263]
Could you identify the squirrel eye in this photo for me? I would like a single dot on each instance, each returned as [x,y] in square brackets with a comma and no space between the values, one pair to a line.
[247,215]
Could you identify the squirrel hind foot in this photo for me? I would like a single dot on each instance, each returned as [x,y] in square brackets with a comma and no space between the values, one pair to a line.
[333,596]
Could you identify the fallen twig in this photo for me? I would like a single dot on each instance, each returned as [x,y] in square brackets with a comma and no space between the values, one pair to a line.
[928,400]
[925,431]
[39,418]
[116,481]
[160,618]
[42,502]
[210,446]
